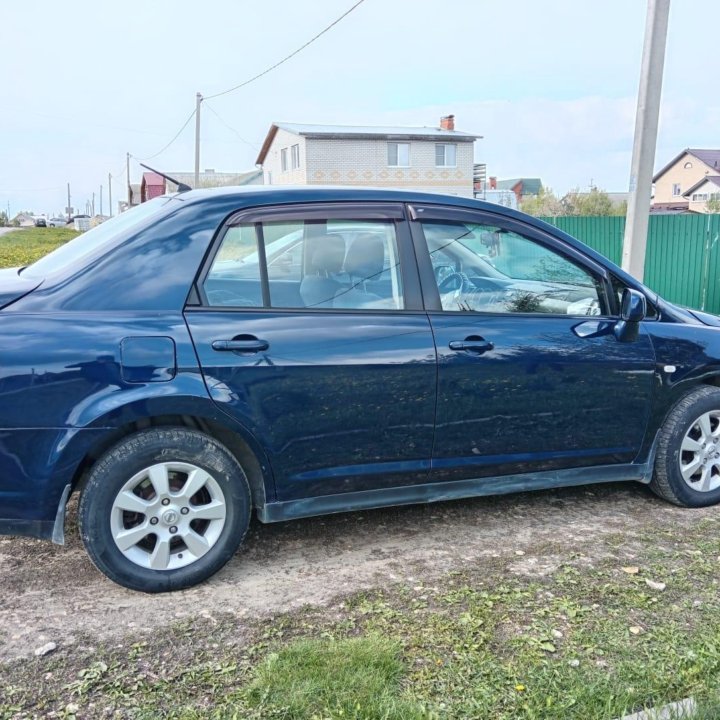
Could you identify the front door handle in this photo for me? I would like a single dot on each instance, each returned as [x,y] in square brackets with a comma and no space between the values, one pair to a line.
[242,344]
[473,343]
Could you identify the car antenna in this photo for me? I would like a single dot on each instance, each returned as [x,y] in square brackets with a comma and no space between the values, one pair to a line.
[182,187]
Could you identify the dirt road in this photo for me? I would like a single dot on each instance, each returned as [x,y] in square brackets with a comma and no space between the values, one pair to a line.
[54,594]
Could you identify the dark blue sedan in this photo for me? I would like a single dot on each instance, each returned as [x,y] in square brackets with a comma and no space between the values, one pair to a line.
[310,351]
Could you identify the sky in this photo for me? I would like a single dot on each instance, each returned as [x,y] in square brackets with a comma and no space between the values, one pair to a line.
[551,85]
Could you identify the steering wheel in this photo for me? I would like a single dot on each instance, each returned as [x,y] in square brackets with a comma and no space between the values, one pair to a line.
[457,281]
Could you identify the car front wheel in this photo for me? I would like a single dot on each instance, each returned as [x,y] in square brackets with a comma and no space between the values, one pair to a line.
[164,509]
[687,465]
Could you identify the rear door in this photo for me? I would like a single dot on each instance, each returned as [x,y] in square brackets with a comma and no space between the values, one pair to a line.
[530,374]
[310,331]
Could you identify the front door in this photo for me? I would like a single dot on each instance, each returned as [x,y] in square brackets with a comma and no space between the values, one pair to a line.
[530,374]
[310,332]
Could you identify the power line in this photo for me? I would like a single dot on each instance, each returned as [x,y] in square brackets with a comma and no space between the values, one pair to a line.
[175,137]
[229,127]
[288,57]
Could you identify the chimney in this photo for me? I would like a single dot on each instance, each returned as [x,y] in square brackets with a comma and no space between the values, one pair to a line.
[447,122]
[493,182]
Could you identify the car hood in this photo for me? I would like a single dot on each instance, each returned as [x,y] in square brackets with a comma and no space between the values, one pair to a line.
[13,286]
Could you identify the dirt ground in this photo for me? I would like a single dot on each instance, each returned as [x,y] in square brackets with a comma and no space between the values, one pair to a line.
[54,594]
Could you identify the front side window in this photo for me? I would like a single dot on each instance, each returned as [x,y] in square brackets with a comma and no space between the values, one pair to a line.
[445,154]
[398,154]
[295,152]
[327,264]
[485,268]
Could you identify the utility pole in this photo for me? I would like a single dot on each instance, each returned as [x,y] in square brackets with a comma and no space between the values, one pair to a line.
[646,128]
[92,214]
[129,195]
[101,200]
[198,100]
[68,209]
[110,193]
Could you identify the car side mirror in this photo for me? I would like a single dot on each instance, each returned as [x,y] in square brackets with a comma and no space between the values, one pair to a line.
[633,309]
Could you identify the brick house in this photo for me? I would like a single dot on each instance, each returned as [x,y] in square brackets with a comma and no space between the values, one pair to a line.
[681,178]
[433,159]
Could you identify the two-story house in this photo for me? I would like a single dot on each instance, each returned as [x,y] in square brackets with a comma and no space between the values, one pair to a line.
[681,185]
[433,159]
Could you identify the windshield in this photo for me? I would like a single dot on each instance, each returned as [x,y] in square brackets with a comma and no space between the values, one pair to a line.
[90,241]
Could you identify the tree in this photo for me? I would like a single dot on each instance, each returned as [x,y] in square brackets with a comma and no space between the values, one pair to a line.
[4,221]
[596,202]
[544,204]
[713,205]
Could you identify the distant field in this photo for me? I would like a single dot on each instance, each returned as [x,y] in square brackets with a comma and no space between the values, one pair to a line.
[25,246]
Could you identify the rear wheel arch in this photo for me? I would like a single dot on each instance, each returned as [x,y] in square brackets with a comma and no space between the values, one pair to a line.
[255,466]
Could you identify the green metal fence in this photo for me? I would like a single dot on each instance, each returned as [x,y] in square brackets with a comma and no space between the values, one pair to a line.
[682,261]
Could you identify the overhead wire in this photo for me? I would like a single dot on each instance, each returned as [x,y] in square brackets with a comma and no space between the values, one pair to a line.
[247,82]
[175,137]
[254,146]
[287,57]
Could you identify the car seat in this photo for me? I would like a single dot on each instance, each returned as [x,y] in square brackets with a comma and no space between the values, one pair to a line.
[326,254]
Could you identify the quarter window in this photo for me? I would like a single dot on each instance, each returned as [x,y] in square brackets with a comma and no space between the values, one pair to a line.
[398,154]
[332,264]
[484,268]
[445,154]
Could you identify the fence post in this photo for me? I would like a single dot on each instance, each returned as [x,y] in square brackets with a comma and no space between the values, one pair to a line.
[706,265]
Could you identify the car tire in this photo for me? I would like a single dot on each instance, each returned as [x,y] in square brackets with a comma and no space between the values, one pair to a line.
[687,462]
[164,509]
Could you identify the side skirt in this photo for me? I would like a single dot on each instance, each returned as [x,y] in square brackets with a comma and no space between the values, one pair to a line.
[455,490]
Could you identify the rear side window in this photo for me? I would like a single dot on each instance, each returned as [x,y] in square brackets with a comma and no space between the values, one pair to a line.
[312,264]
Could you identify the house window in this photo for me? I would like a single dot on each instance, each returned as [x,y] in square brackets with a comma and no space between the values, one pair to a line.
[687,165]
[295,152]
[445,154]
[676,189]
[699,197]
[398,154]
[283,159]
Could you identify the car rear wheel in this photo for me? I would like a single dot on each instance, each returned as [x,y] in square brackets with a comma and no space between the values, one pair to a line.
[687,465]
[164,509]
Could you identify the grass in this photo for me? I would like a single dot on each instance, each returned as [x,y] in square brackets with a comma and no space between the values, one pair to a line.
[25,246]
[590,640]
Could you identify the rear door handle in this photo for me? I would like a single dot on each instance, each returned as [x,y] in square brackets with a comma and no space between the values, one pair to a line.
[241,343]
[473,343]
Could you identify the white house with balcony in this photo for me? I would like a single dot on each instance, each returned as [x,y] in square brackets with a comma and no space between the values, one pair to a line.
[431,159]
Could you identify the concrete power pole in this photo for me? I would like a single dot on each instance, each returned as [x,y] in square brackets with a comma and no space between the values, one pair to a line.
[101,194]
[198,100]
[646,128]
[69,209]
[110,193]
